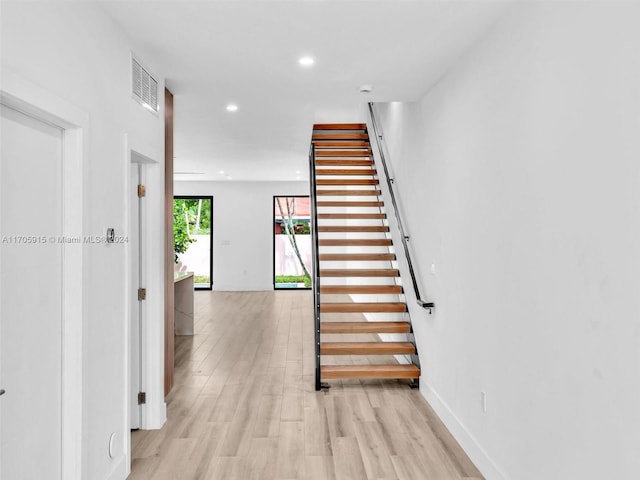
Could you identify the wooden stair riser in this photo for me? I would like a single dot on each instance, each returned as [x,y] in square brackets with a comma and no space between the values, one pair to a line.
[342,144]
[346,182]
[349,204]
[347,228]
[354,242]
[352,216]
[340,279]
[345,172]
[362,289]
[339,126]
[378,307]
[367,348]
[356,257]
[348,193]
[343,163]
[329,372]
[364,327]
[319,137]
[361,272]
[349,156]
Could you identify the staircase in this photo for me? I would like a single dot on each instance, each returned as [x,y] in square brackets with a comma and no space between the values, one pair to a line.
[362,321]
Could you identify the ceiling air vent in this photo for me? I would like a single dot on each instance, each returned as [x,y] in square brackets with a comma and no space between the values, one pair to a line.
[143,86]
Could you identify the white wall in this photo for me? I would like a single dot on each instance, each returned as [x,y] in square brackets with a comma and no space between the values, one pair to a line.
[519,177]
[74,51]
[242,229]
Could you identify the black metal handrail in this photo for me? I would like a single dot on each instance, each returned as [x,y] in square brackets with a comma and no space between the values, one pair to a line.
[316,261]
[379,140]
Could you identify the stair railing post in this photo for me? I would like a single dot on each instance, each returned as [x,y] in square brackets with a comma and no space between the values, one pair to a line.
[405,238]
[316,261]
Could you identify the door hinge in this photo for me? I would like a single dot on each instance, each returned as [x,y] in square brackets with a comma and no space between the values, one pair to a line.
[142,191]
[142,398]
[142,294]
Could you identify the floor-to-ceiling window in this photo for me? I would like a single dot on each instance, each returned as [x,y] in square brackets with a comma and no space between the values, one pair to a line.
[292,242]
[193,238]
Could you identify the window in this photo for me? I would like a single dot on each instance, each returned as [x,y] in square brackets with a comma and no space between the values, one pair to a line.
[292,242]
[193,238]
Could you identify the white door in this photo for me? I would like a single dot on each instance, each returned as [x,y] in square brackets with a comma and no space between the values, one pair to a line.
[31,297]
[136,306]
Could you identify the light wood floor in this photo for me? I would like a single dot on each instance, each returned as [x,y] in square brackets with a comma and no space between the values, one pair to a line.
[244,407]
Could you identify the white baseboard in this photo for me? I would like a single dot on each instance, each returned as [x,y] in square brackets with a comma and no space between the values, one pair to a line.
[154,416]
[469,444]
[120,470]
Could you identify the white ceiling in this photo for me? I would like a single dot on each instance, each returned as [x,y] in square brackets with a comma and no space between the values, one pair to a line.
[214,52]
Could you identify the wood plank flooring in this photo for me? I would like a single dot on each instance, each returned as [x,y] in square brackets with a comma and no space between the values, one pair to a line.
[244,407]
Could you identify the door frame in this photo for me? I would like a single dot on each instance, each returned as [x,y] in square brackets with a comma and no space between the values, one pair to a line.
[29,98]
[148,356]
[153,411]
[135,261]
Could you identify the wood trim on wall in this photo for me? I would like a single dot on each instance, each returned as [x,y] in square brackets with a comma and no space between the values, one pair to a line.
[169,320]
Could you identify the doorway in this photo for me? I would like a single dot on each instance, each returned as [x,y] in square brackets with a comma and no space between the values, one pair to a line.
[291,242]
[137,314]
[193,238]
[141,276]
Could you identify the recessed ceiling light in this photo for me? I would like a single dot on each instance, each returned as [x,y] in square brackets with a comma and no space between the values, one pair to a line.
[232,108]
[306,61]
[229,177]
[298,172]
[298,178]
[221,172]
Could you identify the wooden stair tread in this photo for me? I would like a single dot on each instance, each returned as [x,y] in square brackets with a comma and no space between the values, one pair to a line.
[352,216]
[360,272]
[347,181]
[374,307]
[350,228]
[342,163]
[349,193]
[339,126]
[356,257]
[362,289]
[346,172]
[339,136]
[359,144]
[365,327]
[367,348]
[323,153]
[354,242]
[368,371]
[348,204]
